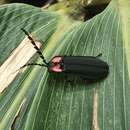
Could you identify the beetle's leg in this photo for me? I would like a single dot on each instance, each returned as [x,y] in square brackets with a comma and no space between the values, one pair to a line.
[99,55]
[84,79]
[70,81]
[35,46]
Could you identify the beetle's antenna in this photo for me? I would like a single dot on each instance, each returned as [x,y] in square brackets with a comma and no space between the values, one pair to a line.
[31,64]
[35,46]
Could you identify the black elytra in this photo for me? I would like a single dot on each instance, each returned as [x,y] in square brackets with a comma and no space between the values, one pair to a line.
[89,68]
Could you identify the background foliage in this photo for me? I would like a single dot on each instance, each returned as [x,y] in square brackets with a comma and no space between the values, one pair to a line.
[54,104]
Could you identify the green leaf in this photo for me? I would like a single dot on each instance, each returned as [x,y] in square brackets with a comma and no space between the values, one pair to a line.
[37,101]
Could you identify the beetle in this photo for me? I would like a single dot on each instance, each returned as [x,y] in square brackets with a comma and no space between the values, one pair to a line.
[88,68]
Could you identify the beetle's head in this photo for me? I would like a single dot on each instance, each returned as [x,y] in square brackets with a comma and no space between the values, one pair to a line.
[55,65]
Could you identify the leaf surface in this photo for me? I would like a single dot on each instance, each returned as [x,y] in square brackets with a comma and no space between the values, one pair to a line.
[46,103]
